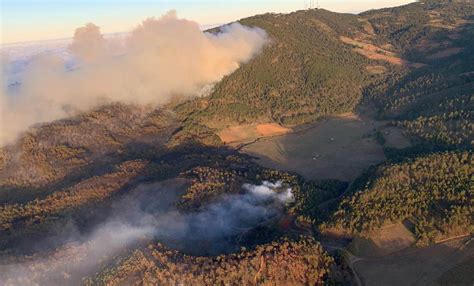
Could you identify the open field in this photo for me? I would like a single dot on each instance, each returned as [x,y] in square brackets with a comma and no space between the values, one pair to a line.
[337,148]
[460,274]
[384,241]
[423,266]
[394,137]
[373,52]
[242,133]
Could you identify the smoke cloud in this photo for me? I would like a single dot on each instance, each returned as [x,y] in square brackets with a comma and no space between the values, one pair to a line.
[151,215]
[159,59]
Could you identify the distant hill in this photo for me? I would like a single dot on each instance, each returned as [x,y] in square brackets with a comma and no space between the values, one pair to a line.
[306,72]
[414,63]
[409,66]
[434,102]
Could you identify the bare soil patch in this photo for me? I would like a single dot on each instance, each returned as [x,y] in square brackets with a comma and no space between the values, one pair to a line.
[384,241]
[270,129]
[322,26]
[388,47]
[438,23]
[373,52]
[366,46]
[242,133]
[368,28]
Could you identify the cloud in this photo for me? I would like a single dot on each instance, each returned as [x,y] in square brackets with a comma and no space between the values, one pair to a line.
[161,58]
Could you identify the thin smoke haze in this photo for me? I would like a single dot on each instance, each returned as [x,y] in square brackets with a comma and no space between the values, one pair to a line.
[152,218]
[159,59]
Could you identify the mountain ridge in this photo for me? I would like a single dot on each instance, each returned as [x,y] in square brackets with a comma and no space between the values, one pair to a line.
[408,67]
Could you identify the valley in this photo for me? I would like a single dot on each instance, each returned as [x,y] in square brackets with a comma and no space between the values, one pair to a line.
[340,153]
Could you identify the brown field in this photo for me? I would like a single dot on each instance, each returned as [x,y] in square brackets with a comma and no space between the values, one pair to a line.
[375,55]
[368,28]
[322,26]
[373,52]
[366,46]
[461,274]
[242,133]
[418,266]
[337,148]
[436,21]
[368,32]
[387,46]
[440,24]
[394,138]
[389,239]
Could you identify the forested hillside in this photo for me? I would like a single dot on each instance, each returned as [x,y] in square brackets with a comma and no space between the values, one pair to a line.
[414,63]
[434,192]
[407,69]
[434,102]
[80,146]
[305,73]
[286,262]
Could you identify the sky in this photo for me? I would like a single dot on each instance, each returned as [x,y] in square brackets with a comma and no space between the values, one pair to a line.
[34,20]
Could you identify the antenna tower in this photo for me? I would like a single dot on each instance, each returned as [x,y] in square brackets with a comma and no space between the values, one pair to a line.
[311,4]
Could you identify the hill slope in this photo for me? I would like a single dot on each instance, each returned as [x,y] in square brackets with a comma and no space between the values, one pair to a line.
[435,192]
[305,73]
[412,62]
[412,65]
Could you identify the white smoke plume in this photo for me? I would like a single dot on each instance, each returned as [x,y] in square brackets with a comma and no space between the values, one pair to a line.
[159,59]
[152,217]
[266,191]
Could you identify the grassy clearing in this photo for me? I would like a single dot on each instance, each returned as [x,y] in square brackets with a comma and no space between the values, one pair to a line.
[338,148]
[461,274]
[421,266]
[242,133]
[386,240]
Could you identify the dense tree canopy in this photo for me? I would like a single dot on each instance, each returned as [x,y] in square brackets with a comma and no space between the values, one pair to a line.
[435,192]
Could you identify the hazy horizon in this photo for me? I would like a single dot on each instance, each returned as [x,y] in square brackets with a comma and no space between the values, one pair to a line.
[40,20]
